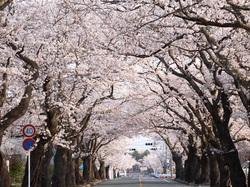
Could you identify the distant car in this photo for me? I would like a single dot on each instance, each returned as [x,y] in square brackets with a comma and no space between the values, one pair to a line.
[122,174]
[156,175]
[164,176]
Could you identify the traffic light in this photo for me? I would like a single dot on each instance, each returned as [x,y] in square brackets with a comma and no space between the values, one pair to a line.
[132,149]
[154,148]
[148,143]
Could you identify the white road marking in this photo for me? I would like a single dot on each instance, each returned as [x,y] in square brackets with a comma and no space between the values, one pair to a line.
[166,180]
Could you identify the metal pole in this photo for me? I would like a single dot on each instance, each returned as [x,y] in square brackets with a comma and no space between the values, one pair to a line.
[166,162]
[171,166]
[29,169]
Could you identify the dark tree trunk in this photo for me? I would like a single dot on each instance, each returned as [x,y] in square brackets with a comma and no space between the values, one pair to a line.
[88,171]
[77,172]
[96,172]
[39,161]
[214,171]
[70,174]
[177,158]
[102,171]
[4,174]
[224,173]
[204,178]
[237,176]
[73,176]
[187,169]
[224,176]
[85,173]
[192,166]
[46,175]
[60,168]
[107,172]
[114,174]
[197,170]
[230,155]
[164,168]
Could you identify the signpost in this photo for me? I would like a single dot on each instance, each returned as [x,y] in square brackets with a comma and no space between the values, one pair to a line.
[28,131]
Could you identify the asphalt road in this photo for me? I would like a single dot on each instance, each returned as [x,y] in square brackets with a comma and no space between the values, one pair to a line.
[140,181]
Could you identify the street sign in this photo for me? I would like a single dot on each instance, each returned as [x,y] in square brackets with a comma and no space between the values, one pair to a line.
[28,144]
[29,130]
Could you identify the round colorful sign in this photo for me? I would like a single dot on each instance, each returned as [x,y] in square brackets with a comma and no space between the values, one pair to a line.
[28,144]
[29,130]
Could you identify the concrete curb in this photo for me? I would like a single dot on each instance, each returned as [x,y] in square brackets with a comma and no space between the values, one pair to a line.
[181,181]
[191,184]
[95,183]
[91,184]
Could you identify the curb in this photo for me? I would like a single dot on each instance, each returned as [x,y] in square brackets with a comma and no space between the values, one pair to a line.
[181,181]
[191,184]
[91,184]
[95,183]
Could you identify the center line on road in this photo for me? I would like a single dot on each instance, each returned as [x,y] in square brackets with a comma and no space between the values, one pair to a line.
[140,180]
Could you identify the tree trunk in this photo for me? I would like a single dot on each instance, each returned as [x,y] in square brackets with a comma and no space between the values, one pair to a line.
[107,172]
[114,174]
[177,158]
[85,173]
[102,170]
[4,174]
[77,172]
[59,178]
[46,175]
[230,154]
[237,175]
[39,161]
[204,178]
[96,172]
[231,158]
[224,173]
[70,174]
[197,170]
[214,171]
[164,169]
[192,166]
[88,171]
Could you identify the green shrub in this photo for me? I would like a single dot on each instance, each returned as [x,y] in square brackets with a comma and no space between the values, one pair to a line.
[17,167]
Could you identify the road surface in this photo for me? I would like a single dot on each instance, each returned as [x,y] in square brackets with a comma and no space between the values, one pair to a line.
[140,181]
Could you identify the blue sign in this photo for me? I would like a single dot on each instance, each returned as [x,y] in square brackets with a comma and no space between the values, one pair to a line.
[28,144]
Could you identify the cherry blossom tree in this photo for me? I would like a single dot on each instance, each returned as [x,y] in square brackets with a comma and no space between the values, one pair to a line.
[77,69]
